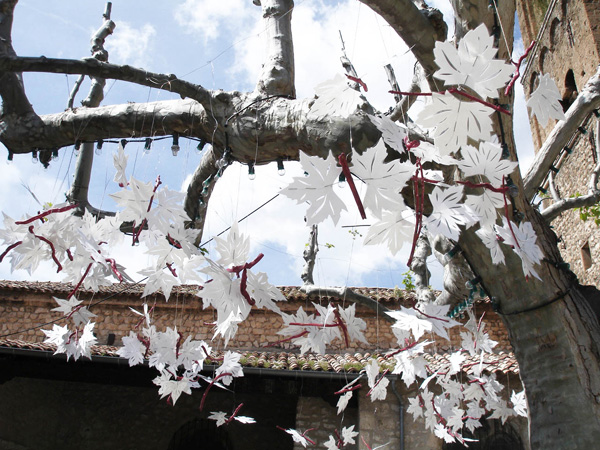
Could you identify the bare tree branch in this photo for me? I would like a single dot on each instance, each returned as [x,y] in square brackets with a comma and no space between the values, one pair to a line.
[310,256]
[12,91]
[277,77]
[78,193]
[419,268]
[418,28]
[587,100]
[95,68]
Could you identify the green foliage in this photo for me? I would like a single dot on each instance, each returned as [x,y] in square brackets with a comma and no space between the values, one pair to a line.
[355,233]
[408,281]
[328,245]
[589,212]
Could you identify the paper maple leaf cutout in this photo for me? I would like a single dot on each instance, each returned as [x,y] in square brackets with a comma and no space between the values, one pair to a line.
[135,199]
[297,436]
[449,212]
[486,161]
[525,245]
[343,401]
[231,364]
[455,121]
[485,206]
[519,403]
[120,163]
[378,386]
[472,64]
[171,388]
[79,314]
[264,293]
[354,325]
[221,418]
[488,236]
[133,350]
[394,229]
[544,101]
[392,133]
[233,250]
[335,98]
[384,180]
[317,189]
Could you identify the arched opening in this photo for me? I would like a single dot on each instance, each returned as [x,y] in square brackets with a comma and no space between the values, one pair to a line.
[534,82]
[570,92]
[554,32]
[543,55]
[200,434]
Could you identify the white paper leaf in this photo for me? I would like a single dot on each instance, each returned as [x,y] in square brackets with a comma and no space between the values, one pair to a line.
[392,133]
[485,206]
[120,163]
[394,229]
[343,401]
[455,121]
[234,249]
[384,180]
[317,189]
[472,64]
[486,161]
[449,212]
[525,245]
[519,403]
[488,236]
[335,98]
[544,101]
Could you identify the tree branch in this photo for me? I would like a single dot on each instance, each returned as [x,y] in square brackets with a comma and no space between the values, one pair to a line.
[196,203]
[587,101]
[95,68]
[12,90]
[277,77]
[418,28]
[419,268]
[310,256]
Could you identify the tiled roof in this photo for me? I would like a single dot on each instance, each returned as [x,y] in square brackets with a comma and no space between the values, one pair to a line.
[504,363]
[291,292]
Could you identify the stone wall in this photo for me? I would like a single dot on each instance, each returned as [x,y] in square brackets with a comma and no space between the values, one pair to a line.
[568,49]
[22,311]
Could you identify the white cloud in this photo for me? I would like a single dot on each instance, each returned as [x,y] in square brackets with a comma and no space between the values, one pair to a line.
[209,18]
[369,41]
[131,45]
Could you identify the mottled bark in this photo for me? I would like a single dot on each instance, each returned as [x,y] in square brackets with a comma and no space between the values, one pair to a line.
[310,256]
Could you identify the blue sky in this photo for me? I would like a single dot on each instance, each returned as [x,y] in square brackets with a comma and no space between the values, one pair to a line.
[218,45]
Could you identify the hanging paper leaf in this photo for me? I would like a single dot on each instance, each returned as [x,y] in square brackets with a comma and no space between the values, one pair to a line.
[317,189]
[472,64]
[449,212]
[120,163]
[486,161]
[384,180]
[233,250]
[485,206]
[544,101]
[394,229]
[335,98]
[524,246]
[392,133]
[455,121]
[488,236]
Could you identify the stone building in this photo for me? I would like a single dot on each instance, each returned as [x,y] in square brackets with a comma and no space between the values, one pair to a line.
[567,35]
[102,403]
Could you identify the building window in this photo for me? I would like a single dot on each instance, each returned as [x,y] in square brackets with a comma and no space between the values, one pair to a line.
[586,256]
[554,32]
[543,55]
[534,81]
[570,92]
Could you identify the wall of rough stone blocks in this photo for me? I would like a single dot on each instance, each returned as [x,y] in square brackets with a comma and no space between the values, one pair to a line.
[380,421]
[23,311]
[569,41]
[315,412]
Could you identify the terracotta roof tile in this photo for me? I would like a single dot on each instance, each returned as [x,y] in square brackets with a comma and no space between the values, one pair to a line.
[504,363]
[291,292]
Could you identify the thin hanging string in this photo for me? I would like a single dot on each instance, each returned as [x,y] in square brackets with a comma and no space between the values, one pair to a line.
[497,15]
